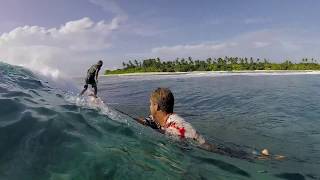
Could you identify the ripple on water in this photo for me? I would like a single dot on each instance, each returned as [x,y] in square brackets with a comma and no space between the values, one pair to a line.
[10,111]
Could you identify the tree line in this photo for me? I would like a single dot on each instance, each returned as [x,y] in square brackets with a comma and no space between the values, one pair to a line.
[212,64]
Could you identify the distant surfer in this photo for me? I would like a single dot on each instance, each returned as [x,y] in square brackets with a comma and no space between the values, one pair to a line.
[163,119]
[92,78]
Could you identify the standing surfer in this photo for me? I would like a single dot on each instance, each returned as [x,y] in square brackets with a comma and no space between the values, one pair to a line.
[92,78]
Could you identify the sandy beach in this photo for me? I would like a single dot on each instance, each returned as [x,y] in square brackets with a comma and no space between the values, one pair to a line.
[217,72]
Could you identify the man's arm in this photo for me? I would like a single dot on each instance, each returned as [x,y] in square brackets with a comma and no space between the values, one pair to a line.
[140,120]
[236,153]
[97,72]
[226,151]
[148,121]
[205,145]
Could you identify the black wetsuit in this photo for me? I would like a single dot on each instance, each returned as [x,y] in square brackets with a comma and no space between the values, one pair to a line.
[148,121]
[90,79]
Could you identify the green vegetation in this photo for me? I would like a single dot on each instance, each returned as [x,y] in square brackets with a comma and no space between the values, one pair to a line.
[219,64]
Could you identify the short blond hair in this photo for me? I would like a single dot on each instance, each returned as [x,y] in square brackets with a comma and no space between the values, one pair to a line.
[164,98]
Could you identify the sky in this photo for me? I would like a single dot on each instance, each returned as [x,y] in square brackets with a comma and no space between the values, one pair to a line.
[66,37]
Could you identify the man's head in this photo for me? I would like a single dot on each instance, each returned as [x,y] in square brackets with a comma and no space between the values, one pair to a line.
[100,63]
[161,99]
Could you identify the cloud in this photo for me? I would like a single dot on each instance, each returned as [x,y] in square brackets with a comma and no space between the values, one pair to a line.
[111,6]
[66,49]
[275,45]
[135,26]
[259,44]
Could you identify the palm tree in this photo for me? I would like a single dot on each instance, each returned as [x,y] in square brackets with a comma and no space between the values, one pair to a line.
[136,63]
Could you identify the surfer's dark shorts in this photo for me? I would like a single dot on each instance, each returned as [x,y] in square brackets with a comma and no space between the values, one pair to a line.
[90,80]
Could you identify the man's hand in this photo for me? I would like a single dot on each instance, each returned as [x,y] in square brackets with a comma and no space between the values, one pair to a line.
[264,155]
[140,120]
[96,81]
[208,147]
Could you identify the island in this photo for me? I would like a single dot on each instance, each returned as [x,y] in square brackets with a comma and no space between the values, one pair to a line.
[181,65]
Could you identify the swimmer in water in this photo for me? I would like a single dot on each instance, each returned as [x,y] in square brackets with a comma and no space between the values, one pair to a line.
[163,119]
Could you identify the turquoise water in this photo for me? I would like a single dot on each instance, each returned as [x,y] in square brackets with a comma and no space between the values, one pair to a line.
[46,132]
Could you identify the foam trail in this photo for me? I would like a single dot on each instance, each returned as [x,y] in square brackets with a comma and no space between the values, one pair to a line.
[96,103]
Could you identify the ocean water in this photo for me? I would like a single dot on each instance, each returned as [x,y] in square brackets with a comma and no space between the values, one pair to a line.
[47,132]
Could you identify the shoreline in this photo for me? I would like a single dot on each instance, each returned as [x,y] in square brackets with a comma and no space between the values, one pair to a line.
[215,72]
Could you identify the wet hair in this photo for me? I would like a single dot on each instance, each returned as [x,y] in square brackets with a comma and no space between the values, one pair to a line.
[100,63]
[164,98]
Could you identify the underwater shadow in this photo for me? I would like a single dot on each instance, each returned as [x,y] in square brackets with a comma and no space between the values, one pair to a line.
[224,166]
[291,176]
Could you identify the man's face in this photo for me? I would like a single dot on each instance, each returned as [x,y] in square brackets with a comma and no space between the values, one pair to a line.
[153,108]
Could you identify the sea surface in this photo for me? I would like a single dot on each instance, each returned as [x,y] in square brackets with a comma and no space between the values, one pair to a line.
[47,132]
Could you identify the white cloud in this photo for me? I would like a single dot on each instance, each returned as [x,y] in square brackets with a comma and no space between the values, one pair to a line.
[113,7]
[276,45]
[135,26]
[259,44]
[66,49]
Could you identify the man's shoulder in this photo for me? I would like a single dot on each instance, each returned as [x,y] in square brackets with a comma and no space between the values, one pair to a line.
[92,69]
[176,118]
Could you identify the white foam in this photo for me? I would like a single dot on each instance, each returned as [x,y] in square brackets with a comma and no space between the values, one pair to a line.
[96,103]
